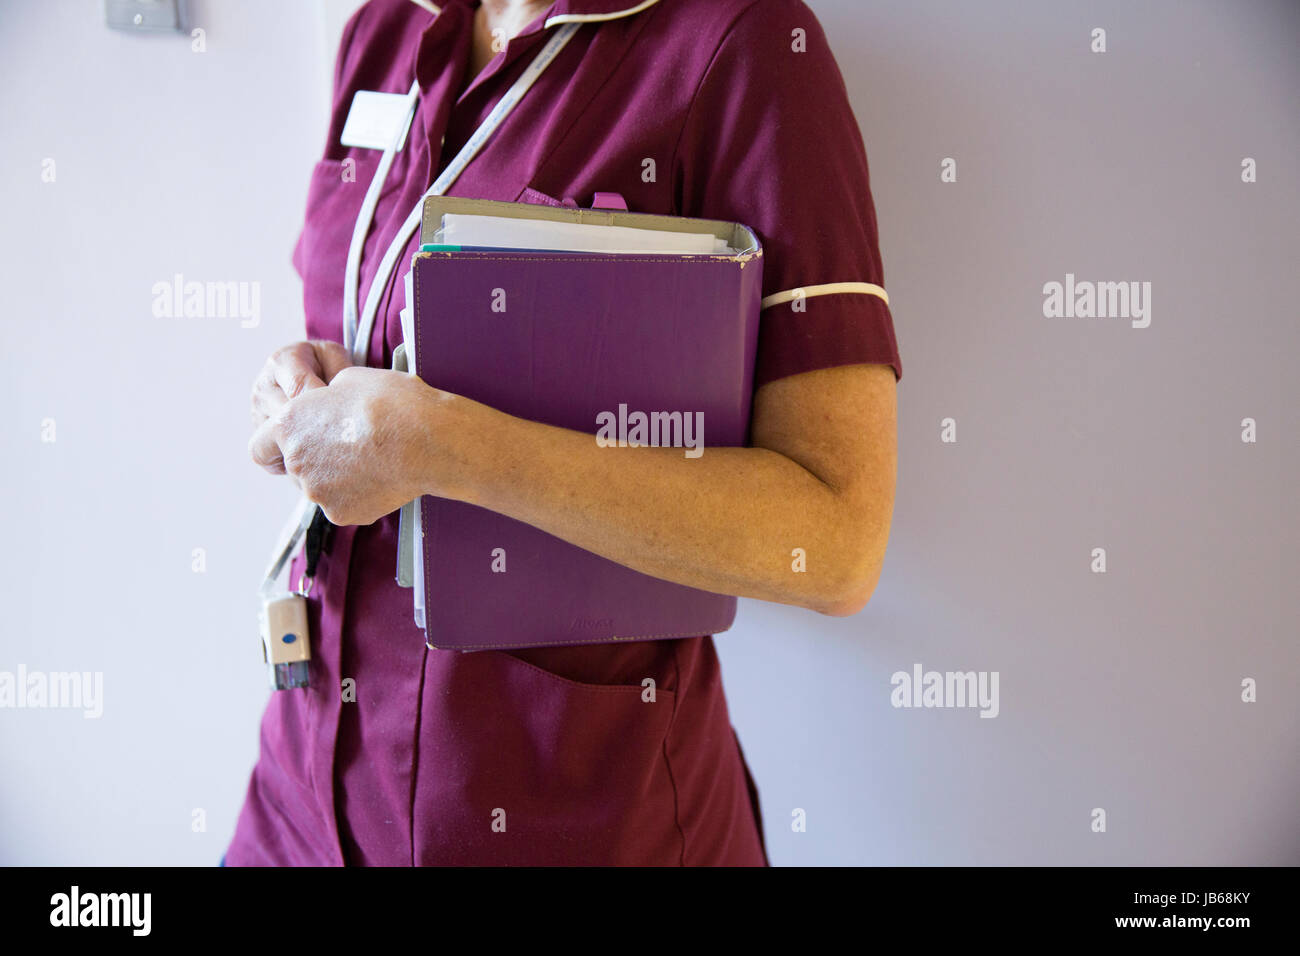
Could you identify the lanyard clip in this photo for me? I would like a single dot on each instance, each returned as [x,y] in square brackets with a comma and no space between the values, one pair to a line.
[286,645]
[286,636]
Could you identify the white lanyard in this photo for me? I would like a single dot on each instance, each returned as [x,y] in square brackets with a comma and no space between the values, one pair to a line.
[356,334]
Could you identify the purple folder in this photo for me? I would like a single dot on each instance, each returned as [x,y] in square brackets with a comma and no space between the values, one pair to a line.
[586,340]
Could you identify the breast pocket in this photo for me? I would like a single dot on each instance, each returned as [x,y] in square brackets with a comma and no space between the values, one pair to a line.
[538,198]
[334,199]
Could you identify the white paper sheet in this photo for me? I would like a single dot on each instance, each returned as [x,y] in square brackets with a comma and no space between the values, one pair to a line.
[508,232]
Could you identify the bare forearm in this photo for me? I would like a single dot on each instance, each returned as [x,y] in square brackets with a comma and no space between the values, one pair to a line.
[743,521]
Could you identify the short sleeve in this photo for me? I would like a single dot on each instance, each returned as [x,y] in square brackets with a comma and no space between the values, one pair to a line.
[771,141]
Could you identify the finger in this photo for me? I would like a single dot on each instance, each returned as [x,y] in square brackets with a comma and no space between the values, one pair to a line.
[296,369]
[265,450]
[333,358]
[266,397]
[268,400]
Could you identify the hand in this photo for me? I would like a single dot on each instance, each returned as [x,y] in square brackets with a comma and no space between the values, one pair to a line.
[365,445]
[288,373]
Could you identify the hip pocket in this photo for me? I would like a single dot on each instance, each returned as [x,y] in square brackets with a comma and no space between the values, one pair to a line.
[520,766]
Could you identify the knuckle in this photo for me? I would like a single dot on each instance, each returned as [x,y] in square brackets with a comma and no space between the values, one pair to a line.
[292,350]
[292,457]
[264,457]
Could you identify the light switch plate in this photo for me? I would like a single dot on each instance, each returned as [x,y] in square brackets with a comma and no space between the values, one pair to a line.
[145,16]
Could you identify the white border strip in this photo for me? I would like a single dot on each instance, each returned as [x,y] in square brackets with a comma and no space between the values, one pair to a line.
[830,288]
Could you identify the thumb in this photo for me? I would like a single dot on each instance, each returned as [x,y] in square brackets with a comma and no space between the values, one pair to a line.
[333,358]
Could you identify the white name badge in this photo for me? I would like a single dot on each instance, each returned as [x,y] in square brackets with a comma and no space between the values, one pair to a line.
[374,119]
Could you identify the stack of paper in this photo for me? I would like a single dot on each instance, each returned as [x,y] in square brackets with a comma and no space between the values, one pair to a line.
[506,233]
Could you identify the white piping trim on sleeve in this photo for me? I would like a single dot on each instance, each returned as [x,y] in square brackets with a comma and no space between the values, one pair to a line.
[830,288]
[426,5]
[593,17]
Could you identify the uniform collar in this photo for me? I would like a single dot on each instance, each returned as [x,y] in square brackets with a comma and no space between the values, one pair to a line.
[586,11]
[567,11]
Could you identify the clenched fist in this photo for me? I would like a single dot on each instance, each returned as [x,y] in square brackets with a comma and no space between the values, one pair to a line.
[288,373]
[359,442]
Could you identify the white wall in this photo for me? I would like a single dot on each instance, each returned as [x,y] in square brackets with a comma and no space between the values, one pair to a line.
[166,161]
[1118,691]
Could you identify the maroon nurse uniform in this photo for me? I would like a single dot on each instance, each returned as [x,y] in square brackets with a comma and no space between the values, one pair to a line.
[723,109]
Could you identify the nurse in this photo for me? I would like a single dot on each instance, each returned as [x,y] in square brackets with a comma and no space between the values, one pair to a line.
[398,754]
